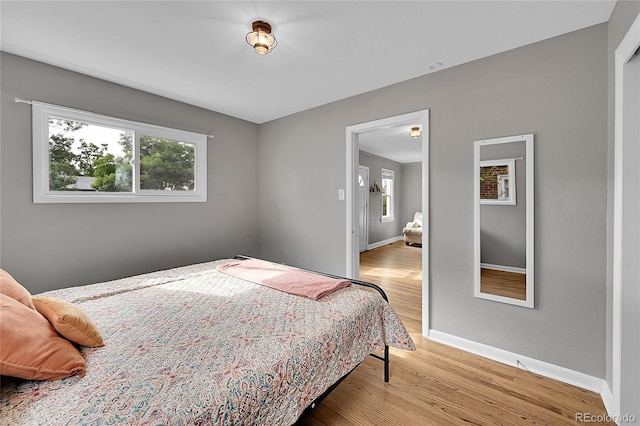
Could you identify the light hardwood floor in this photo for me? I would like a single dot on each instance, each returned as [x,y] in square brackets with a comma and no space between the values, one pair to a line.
[438,384]
[502,283]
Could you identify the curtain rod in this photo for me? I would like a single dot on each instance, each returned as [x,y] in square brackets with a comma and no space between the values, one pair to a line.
[505,159]
[31,102]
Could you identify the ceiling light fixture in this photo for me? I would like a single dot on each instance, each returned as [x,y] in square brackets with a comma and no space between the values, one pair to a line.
[415,132]
[261,39]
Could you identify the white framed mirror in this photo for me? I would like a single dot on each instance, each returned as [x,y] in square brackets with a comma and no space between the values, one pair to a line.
[503,220]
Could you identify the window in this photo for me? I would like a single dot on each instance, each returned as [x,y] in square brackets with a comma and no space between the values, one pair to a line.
[497,182]
[387,195]
[81,157]
[503,187]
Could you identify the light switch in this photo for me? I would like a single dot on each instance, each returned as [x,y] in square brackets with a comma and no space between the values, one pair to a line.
[341,194]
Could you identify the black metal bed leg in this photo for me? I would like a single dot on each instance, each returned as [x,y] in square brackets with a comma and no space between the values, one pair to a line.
[386,364]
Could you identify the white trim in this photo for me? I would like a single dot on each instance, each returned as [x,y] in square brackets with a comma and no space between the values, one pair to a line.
[426,243]
[503,268]
[532,365]
[623,53]
[607,398]
[353,256]
[384,242]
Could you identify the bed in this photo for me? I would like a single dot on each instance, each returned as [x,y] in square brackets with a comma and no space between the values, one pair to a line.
[193,345]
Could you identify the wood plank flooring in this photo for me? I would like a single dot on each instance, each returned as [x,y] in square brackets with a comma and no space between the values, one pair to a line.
[438,384]
[502,283]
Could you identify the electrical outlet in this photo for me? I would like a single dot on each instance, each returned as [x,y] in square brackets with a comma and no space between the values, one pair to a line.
[341,194]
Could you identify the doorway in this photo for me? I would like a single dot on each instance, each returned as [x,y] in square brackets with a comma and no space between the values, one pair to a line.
[626,228]
[353,133]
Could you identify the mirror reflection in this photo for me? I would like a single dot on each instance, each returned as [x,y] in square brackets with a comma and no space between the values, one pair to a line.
[497,182]
[503,209]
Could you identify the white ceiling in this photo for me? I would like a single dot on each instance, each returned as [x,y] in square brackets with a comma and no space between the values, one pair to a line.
[195,52]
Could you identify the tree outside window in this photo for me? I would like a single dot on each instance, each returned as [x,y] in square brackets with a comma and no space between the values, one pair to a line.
[86,157]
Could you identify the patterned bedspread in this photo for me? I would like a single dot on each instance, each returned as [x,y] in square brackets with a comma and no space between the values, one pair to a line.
[194,346]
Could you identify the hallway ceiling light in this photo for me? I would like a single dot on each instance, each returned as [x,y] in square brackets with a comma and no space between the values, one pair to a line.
[415,132]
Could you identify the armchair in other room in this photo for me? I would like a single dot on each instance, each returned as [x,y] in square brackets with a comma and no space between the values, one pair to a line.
[413,231]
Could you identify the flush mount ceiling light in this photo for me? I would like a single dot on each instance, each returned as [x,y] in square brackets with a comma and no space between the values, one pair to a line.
[415,132]
[261,39]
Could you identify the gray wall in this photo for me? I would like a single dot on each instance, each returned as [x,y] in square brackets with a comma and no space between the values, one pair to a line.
[621,19]
[47,246]
[379,231]
[411,195]
[556,89]
[503,230]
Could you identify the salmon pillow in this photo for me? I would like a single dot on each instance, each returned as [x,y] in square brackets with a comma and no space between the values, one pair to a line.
[11,288]
[31,348]
[69,320]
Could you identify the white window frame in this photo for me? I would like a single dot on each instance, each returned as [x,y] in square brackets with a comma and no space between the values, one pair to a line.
[41,189]
[390,217]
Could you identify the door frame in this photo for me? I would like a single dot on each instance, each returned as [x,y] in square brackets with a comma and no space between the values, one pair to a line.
[360,166]
[626,49]
[352,144]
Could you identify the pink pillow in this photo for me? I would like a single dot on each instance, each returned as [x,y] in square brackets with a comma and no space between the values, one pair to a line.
[31,348]
[11,288]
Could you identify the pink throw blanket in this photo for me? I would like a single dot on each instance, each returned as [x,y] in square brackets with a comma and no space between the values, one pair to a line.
[283,278]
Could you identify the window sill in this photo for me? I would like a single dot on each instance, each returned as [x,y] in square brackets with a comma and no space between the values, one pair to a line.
[387,219]
[119,198]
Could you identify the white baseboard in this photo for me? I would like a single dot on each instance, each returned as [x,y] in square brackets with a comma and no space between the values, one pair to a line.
[503,268]
[546,369]
[607,399]
[384,242]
